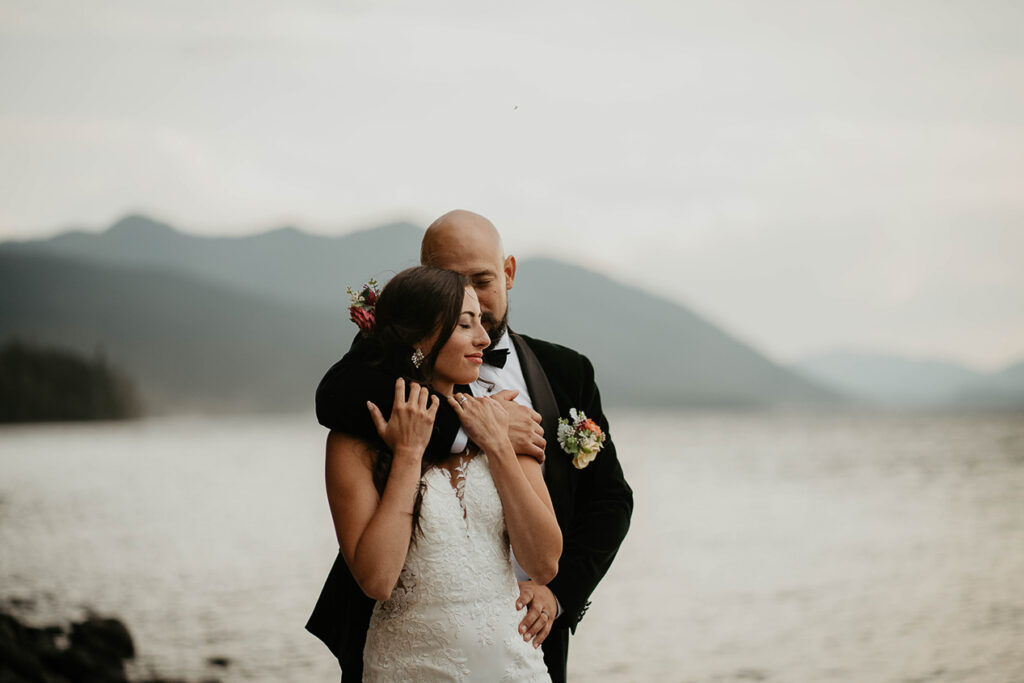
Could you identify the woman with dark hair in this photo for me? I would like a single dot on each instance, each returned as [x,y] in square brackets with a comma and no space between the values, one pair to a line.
[425,533]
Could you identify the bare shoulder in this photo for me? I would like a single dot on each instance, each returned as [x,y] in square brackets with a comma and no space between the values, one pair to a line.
[347,454]
[351,494]
[349,474]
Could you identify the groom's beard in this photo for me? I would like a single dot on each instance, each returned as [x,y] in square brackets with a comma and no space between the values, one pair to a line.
[497,328]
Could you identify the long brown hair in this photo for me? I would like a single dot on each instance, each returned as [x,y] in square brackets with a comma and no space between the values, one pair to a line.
[414,304]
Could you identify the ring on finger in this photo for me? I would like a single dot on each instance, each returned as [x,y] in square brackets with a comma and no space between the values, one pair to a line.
[463,399]
[545,614]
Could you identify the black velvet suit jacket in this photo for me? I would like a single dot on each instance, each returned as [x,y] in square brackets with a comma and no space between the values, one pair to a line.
[593,505]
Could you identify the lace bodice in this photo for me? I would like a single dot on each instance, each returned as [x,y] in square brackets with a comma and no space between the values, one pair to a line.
[452,615]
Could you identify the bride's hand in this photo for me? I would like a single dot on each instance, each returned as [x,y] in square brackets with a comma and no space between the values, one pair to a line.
[483,419]
[412,419]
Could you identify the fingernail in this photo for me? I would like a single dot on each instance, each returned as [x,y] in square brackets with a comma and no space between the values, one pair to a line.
[522,629]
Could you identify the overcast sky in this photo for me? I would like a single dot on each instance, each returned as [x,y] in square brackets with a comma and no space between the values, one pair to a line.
[810,175]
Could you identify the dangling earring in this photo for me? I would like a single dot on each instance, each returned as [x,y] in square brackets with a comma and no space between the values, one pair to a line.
[417,357]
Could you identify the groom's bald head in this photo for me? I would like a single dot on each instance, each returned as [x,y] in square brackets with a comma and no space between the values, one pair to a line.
[468,243]
[458,236]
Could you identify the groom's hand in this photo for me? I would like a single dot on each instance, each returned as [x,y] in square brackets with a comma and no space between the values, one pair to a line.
[524,430]
[543,610]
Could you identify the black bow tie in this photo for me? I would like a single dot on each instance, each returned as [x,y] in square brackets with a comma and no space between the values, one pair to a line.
[496,357]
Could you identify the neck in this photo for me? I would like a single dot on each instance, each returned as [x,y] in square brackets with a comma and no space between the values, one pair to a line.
[443,388]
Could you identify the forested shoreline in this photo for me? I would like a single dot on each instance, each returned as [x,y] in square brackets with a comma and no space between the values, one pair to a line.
[45,384]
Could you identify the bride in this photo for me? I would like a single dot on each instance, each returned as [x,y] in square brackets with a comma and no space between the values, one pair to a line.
[428,537]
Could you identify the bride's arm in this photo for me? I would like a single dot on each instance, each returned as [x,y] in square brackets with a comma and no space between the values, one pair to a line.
[529,515]
[374,530]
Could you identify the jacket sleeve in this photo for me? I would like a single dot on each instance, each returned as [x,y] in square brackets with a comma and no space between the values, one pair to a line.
[602,508]
[343,392]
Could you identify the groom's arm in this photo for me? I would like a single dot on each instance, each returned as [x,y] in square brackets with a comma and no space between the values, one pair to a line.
[341,406]
[344,390]
[603,505]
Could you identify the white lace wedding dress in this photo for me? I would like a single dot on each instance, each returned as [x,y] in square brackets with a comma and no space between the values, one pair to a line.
[452,616]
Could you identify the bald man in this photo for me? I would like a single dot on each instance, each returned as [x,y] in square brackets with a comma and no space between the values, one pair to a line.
[593,505]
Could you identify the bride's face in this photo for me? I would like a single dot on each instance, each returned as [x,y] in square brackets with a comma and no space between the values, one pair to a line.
[460,358]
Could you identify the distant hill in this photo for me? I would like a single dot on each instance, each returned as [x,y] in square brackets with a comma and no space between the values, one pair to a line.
[190,345]
[899,382]
[649,350]
[284,264]
[1003,389]
[252,322]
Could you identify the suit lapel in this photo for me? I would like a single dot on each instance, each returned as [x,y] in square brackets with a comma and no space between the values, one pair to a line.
[556,474]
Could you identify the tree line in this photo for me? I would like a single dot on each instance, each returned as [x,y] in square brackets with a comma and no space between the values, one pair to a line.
[41,384]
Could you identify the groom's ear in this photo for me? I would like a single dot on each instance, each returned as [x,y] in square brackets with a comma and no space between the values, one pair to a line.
[510,271]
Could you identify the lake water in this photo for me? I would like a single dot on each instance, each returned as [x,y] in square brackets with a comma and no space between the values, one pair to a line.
[764,547]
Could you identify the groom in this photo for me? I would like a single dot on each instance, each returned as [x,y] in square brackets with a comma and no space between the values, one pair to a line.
[593,505]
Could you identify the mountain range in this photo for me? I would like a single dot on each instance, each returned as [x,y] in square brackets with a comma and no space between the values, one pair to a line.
[251,323]
[892,381]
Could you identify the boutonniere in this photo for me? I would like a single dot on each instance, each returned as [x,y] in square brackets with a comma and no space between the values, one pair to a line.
[363,306]
[580,437]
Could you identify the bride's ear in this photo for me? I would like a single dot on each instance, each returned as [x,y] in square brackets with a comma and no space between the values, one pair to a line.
[426,345]
[510,271]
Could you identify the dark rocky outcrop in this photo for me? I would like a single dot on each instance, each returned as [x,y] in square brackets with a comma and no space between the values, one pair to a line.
[94,650]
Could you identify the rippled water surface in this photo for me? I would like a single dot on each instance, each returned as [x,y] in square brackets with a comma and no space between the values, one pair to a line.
[763,547]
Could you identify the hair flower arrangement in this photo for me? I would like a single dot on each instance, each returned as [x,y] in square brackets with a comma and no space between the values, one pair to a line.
[363,306]
[580,437]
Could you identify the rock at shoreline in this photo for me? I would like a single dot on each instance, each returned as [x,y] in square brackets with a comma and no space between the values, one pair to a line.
[94,650]
[91,651]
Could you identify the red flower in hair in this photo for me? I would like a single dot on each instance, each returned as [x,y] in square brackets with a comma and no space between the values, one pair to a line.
[363,318]
[362,311]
